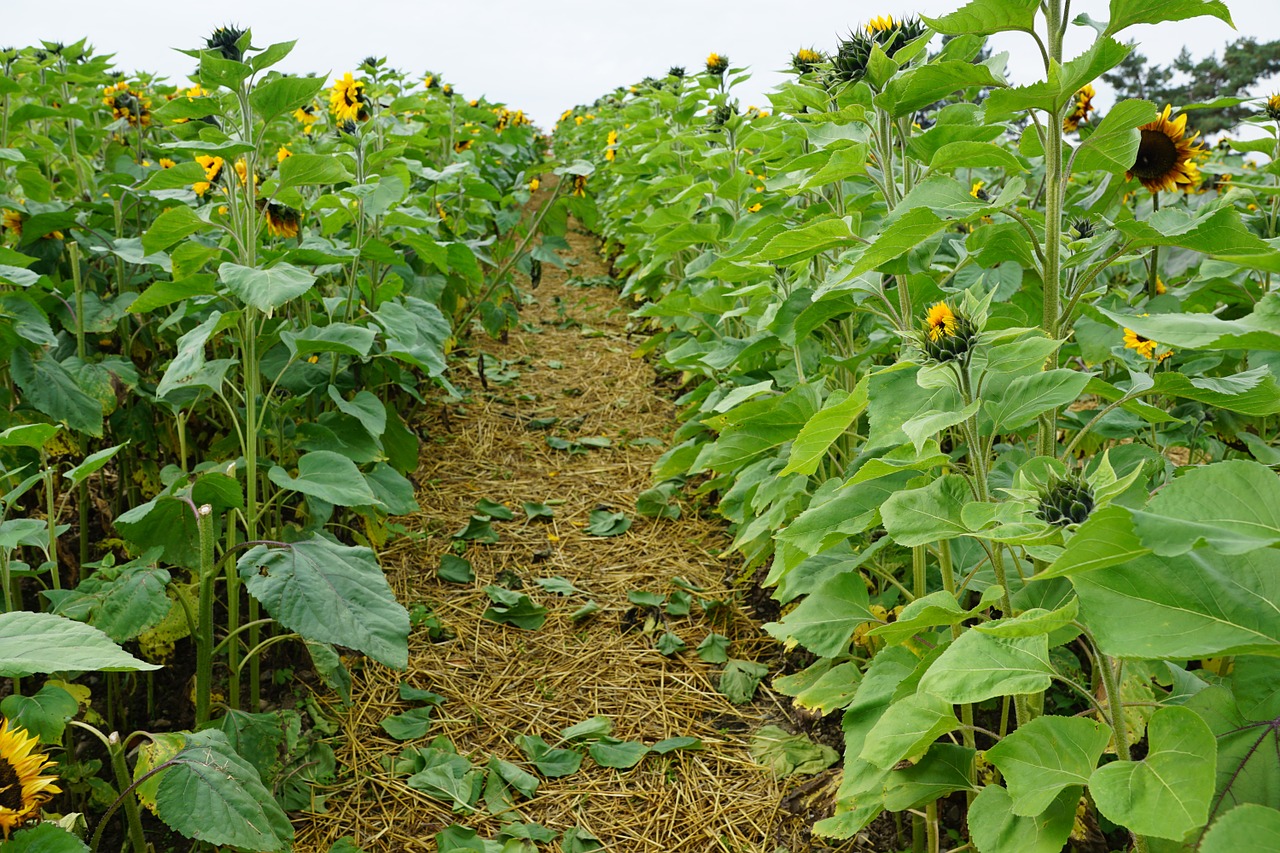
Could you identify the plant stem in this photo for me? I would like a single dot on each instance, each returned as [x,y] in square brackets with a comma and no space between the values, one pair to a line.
[121,769]
[1052,227]
[204,621]
[1111,683]
[1153,269]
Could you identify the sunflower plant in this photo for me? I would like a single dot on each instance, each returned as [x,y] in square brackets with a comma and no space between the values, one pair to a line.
[985,384]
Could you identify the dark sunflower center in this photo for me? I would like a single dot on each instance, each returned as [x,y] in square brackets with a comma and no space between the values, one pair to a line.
[1157,155]
[10,787]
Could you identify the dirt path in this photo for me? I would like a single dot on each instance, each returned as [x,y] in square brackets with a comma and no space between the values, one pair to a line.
[574,364]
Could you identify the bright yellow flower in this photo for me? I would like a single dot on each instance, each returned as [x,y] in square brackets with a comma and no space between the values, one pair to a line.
[533,185]
[306,116]
[166,163]
[1144,347]
[212,171]
[1165,154]
[24,790]
[347,100]
[940,322]
[755,208]
[881,24]
[283,153]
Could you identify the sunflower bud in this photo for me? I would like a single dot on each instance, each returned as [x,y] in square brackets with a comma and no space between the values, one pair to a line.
[1272,109]
[1066,500]
[676,71]
[717,64]
[947,335]
[852,56]
[805,60]
[225,40]
[1082,229]
[720,116]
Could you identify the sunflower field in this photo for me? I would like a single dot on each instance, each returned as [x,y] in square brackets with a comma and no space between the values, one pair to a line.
[960,528]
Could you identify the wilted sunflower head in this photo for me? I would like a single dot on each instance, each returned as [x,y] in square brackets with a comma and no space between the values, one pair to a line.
[226,40]
[947,335]
[717,64]
[282,220]
[22,789]
[12,222]
[580,186]
[805,59]
[1080,110]
[1065,500]
[1272,108]
[676,71]
[1166,154]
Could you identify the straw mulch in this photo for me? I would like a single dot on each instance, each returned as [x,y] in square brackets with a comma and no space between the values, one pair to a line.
[501,681]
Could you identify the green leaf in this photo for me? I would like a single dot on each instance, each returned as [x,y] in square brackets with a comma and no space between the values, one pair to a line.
[1063,83]
[186,369]
[1046,756]
[162,293]
[49,387]
[551,762]
[1196,605]
[1028,397]
[908,729]
[985,17]
[906,232]
[171,226]
[1221,234]
[740,679]
[455,569]
[672,744]
[494,510]
[602,522]
[306,169]
[1233,507]
[410,725]
[714,649]
[46,837]
[533,510]
[836,416]
[621,755]
[787,754]
[1249,826]
[800,244]
[578,840]
[978,666]
[477,529]
[944,769]
[923,516]
[590,728]
[669,644]
[326,475]
[266,289]
[34,436]
[825,621]
[1166,794]
[336,337]
[514,608]
[364,407]
[524,782]
[280,95]
[1107,538]
[331,593]
[181,176]
[92,464]
[212,794]
[1113,145]
[122,602]
[1126,13]
[43,714]
[42,642]
[996,829]
[929,83]
[974,155]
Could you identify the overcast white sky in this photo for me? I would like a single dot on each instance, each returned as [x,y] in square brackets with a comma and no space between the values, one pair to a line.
[544,56]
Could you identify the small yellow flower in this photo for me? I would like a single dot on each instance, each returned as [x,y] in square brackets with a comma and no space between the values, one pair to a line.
[307,116]
[223,210]
[315,359]
[283,153]
[1144,347]
[755,208]
[1272,108]
[881,24]
[212,171]
[166,163]
[533,185]
[577,120]
[1161,290]
[940,322]
[977,190]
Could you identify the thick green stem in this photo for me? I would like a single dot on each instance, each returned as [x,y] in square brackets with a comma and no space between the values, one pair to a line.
[233,622]
[204,626]
[121,769]
[1153,268]
[1054,184]
[51,519]
[1111,683]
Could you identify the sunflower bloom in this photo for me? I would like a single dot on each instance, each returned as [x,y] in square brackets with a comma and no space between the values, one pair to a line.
[1166,155]
[212,171]
[347,100]
[940,322]
[534,184]
[22,789]
[1272,109]
[283,153]
[717,64]
[1080,111]
[1144,347]
[13,222]
[611,146]
[282,220]
[881,24]
[580,186]
[306,116]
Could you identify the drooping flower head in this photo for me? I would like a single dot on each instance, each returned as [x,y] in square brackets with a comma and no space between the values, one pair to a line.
[347,100]
[978,192]
[282,220]
[431,81]
[611,146]
[127,103]
[1144,346]
[22,789]
[1166,155]
[580,186]
[225,41]
[717,64]
[1080,109]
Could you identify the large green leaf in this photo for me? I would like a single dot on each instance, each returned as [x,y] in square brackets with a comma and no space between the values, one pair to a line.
[266,289]
[44,714]
[273,97]
[825,621]
[921,516]
[329,476]
[978,666]
[43,642]
[49,387]
[985,17]
[932,82]
[1167,793]
[1028,397]
[1126,13]
[1232,506]
[122,602]
[185,369]
[1217,232]
[1107,538]
[800,244]
[1246,827]
[996,829]
[1113,145]
[212,794]
[906,232]
[305,169]
[1046,756]
[331,593]
[908,729]
[45,838]
[1259,330]
[1194,605]
[836,416]
[171,226]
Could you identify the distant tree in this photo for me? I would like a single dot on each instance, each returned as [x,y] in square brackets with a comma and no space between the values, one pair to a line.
[1187,80]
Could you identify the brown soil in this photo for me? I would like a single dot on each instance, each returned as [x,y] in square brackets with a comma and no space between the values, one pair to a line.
[574,363]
